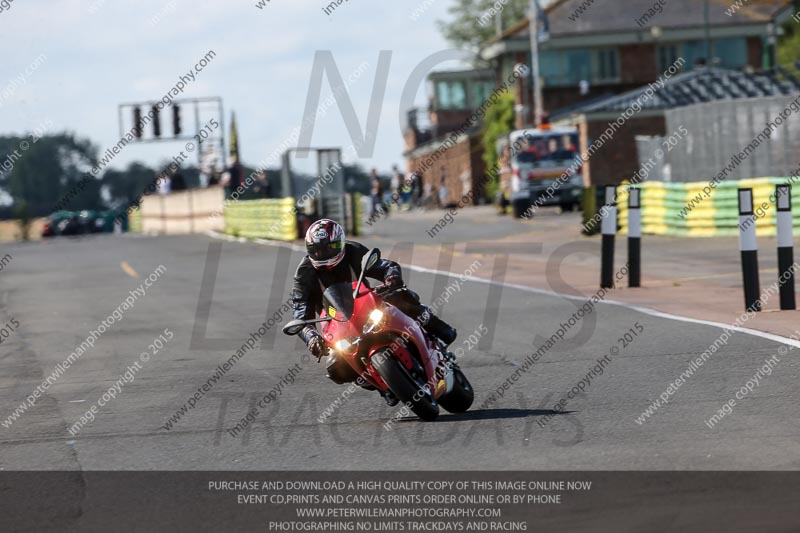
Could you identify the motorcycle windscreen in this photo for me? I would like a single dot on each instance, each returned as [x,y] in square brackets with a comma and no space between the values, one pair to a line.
[339,302]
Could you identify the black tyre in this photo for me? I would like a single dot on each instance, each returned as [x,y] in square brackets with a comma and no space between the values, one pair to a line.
[566,208]
[408,389]
[460,399]
[520,208]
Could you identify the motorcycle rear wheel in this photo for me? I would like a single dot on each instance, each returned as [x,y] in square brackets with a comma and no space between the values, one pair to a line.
[404,386]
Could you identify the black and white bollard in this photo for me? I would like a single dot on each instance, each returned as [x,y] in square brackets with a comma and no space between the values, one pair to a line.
[608,228]
[749,251]
[634,237]
[783,219]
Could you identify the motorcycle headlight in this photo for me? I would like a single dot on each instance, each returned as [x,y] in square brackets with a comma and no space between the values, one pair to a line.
[374,321]
[376,316]
[343,345]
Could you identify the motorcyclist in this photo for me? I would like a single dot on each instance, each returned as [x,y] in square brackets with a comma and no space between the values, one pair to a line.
[330,260]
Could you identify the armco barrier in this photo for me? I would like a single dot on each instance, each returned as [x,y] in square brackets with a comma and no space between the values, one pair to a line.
[713,216]
[265,219]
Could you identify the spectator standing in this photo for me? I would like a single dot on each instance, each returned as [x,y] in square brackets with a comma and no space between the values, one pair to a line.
[417,189]
[465,182]
[261,187]
[396,181]
[443,188]
[376,193]
[178,182]
[235,180]
[164,185]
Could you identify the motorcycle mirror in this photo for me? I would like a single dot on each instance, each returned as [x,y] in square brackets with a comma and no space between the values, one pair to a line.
[368,262]
[372,258]
[294,327]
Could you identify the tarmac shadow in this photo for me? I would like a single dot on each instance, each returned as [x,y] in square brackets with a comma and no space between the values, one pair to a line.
[490,414]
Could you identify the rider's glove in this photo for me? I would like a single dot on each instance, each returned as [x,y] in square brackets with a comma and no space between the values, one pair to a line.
[393,282]
[316,346]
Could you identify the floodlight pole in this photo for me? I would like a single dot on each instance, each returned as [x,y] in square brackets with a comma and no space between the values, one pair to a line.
[537,85]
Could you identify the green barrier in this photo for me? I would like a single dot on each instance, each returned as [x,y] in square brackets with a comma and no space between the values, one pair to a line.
[684,210]
[135,221]
[357,213]
[262,219]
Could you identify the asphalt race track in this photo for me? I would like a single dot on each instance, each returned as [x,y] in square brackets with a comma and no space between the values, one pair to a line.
[59,291]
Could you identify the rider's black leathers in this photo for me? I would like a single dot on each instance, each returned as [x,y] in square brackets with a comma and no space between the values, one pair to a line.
[310,284]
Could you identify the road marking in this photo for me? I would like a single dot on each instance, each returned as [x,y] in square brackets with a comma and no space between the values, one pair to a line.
[644,310]
[129,270]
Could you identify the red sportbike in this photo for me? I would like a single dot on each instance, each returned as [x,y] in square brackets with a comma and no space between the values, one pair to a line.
[389,349]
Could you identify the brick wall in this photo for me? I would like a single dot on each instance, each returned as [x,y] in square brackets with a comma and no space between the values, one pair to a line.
[638,64]
[466,155]
[754,51]
[446,120]
[617,159]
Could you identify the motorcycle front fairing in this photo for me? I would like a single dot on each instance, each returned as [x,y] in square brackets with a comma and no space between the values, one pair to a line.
[349,336]
[400,325]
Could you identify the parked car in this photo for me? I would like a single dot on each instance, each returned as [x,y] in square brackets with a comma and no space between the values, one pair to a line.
[59,222]
[69,225]
[66,223]
[539,158]
[88,222]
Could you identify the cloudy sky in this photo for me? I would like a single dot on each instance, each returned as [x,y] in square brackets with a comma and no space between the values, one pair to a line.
[92,55]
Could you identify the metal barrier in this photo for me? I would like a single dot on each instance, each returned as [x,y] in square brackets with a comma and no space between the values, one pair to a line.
[719,131]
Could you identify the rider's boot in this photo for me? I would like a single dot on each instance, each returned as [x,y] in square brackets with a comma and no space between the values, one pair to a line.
[438,328]
[387,396]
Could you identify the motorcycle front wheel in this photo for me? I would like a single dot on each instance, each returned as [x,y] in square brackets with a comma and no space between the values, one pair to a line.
[411,391]
[461,397]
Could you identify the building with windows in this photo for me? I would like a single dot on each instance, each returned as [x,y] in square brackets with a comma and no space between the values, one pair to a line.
[443,141]
[612,46]
[589,55]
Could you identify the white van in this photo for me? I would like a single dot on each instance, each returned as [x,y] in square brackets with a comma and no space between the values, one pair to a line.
[539,158]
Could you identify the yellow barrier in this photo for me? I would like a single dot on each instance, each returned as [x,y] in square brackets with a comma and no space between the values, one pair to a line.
[694,209]
[264,219]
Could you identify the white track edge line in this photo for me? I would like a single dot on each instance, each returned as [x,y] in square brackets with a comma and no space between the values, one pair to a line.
[645,310]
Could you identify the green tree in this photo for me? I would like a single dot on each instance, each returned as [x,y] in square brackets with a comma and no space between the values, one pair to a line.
[356,179]
[23,216]
[472,23]
[46,169]
[498,121]
[123,186]
[788,50]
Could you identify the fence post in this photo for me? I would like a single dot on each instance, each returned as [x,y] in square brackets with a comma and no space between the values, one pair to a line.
[634,237]
[608,229]
[748,247]
[783,219]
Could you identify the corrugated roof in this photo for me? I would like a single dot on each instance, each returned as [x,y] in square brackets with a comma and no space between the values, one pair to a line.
[697,86]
